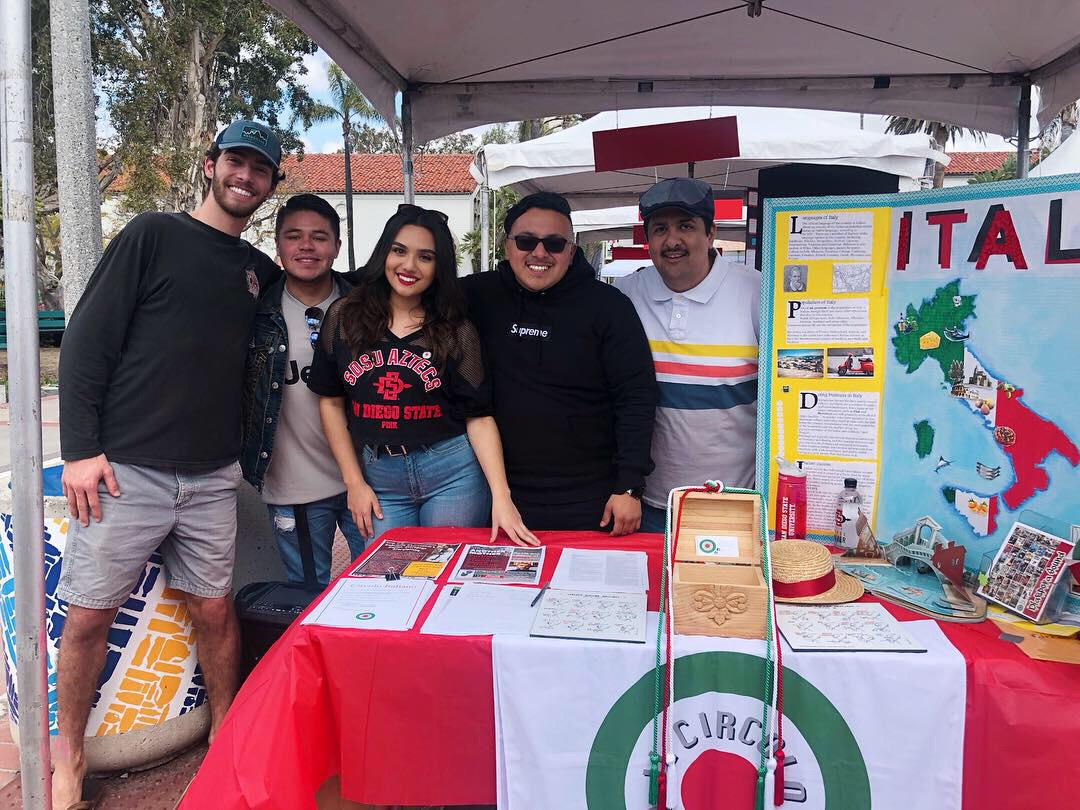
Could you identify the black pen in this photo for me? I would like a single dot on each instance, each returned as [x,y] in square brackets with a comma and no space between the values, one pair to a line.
[539,594]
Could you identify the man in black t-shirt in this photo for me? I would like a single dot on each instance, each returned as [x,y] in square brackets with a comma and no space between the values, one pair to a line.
[151,377]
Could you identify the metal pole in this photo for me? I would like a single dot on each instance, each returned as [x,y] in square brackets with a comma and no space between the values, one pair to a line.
[17,158]
[485,237]
[1023,130]
[76,147]
[407,146]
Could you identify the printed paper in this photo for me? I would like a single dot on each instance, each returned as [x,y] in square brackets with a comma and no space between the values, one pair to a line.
[590,615]
[372,604]
[853,627]
[827,320]
[839,235]
[851,277]
[835,423]
[597,570]
[477,609]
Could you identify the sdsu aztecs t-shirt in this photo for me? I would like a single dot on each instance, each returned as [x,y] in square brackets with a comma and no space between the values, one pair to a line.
[395,394]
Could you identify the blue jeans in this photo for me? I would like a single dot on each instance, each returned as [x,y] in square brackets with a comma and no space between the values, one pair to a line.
[440,485]
[653,519]
[323,518]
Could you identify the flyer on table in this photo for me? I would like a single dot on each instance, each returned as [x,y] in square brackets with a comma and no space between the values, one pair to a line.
[482,562]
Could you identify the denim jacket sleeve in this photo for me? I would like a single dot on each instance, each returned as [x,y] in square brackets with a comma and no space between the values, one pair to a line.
[263,375]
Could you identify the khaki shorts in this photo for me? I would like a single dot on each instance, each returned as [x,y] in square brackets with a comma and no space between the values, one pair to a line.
[190,517]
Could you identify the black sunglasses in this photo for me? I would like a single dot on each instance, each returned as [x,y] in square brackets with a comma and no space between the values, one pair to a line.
[313,317]
[552,244]
[409,207]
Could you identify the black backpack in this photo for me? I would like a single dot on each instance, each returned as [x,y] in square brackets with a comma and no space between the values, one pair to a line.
[266,609]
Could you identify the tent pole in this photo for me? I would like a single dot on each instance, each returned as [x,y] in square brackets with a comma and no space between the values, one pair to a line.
[1023,130]
[407,146]
[17,157]
[494,226]
[485,237]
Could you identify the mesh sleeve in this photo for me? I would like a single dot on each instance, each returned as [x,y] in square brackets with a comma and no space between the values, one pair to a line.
[469,356]
[330,329]
[324,378]
[471,387]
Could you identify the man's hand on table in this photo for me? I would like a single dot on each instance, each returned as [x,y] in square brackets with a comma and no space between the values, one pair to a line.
[625,509]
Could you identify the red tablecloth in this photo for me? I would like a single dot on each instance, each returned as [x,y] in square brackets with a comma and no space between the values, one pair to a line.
[406,718]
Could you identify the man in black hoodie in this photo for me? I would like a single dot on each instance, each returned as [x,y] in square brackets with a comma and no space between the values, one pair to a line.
[574,388]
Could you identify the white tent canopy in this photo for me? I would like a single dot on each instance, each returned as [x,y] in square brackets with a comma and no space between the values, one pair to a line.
[563,161]
[473,62]
[1063,160]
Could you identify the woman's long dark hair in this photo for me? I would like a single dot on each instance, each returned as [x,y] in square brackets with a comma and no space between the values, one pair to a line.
[365,313]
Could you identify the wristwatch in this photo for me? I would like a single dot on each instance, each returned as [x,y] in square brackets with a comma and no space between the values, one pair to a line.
[633,492]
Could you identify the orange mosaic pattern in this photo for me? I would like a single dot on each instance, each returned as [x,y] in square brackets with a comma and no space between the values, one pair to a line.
[155,677]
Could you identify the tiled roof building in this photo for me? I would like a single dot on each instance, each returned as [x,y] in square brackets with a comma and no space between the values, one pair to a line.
[379,174]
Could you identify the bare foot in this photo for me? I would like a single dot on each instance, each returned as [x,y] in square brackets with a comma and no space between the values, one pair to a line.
[67,780]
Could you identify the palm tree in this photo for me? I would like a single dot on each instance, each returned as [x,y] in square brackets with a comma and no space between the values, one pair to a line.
[350,106]
[532,128]
[940,133]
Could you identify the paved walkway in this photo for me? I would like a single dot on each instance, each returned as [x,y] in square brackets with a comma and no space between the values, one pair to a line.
[50,430]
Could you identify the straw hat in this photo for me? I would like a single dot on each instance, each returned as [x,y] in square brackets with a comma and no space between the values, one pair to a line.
[803,572]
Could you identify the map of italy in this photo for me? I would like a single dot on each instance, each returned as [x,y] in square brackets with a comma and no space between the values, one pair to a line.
[938,331]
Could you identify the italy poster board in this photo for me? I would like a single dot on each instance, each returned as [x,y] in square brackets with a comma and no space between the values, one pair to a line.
[928,345]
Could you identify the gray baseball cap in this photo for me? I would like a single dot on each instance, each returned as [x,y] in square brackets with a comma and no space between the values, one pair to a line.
[690,195]
[251,135]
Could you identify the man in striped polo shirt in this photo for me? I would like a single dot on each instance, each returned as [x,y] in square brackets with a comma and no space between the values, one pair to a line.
[700,314]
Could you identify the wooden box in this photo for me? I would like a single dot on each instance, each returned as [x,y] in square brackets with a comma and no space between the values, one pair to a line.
[717,584]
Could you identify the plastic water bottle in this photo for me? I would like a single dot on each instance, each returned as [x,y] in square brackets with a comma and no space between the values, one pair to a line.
[848,506]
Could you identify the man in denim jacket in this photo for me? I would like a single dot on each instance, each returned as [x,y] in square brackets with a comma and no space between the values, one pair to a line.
[285,454]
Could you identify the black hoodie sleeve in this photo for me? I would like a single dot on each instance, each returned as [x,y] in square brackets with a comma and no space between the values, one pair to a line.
[628,366]
[95,336]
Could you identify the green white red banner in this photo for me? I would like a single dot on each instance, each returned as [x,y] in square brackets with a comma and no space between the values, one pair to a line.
[861,730]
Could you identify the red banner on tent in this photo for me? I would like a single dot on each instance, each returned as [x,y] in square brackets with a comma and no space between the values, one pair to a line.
[662,144]
[630,252]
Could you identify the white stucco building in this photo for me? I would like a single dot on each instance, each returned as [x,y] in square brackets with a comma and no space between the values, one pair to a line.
[443,182]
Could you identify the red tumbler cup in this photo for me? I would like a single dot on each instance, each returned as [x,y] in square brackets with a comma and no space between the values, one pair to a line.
[790,518]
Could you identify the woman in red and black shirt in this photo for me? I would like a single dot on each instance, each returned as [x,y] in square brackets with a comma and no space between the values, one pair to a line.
[404,400]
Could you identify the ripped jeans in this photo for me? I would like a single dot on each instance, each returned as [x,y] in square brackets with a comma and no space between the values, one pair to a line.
[320,519]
